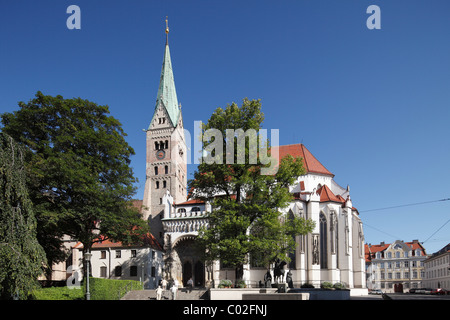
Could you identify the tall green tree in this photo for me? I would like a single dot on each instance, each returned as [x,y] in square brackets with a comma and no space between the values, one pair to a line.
[246,220]
[79,173]
[22,258]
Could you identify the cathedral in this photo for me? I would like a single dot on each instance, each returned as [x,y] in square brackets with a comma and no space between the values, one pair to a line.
[333,252]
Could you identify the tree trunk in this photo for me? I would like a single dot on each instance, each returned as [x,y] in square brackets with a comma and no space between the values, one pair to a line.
[239,272]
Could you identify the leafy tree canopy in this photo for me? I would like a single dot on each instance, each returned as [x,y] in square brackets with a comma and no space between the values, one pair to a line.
[21,256]
[246,219]
[79,176]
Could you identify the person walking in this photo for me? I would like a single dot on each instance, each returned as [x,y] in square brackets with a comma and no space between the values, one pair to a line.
[174,290]
[164,287]
[190,284]
[159,292]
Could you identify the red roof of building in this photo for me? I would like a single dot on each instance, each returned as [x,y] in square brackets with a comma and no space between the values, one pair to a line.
[370,250]
[192,201]
[149,240]
[311,164]
[327,195]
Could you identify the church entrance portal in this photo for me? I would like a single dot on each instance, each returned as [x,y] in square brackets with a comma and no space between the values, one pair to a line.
[186,255]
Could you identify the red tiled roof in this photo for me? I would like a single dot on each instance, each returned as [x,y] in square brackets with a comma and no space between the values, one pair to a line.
[149,240]
[327,195]
[192,201]
[372,249]
[311,164]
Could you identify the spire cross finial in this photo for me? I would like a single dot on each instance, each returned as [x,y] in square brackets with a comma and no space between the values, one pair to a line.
[167,29]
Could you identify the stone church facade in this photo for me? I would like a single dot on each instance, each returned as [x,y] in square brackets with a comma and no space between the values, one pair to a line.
[333,252]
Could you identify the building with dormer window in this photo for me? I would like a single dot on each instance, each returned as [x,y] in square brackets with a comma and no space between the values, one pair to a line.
[395,267]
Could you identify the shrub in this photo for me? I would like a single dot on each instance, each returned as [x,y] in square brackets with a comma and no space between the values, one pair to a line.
[307,285]
[108,289]
[100,289]
[240,284]
[339,286]
[225,284]
[57,293]
[326,285]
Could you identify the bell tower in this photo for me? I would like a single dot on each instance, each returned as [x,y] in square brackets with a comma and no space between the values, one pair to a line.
[166,165]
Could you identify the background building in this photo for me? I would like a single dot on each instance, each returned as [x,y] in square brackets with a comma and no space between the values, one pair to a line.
[437,269]
[114,260]
[395,267]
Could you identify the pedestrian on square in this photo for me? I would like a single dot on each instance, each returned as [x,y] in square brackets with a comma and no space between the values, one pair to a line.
[174,290]
[190,284]
[159,292]
[164,284]
[164,288]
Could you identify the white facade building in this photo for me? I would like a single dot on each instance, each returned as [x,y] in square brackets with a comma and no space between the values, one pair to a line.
[113,260]
[437,270]
[395,267]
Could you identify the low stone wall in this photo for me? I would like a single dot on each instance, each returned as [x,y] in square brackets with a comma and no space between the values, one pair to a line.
[271,294]
[237,293]
[321,294]
[275,296]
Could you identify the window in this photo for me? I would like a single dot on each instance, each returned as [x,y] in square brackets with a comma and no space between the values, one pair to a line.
[103,254]
[166,144]
[156,171]
[133,253]
[164,184]
[389,255]
[194,209]
[166,169]
[156,145]
[157,184]
[133,271]
[153,272]
[181,210]
[118,254]
[160,200]
[102,272]
[118,271]
[323,242]
[397,254]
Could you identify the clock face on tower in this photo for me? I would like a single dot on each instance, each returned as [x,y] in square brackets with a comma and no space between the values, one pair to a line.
[160,154]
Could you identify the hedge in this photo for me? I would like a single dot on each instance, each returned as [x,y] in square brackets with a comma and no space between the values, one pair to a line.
[108,289]
[100,289]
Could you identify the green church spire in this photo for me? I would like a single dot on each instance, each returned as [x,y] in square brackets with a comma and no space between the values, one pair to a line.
[167,95]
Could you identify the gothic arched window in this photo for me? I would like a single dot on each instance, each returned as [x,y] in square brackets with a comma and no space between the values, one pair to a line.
[323,242]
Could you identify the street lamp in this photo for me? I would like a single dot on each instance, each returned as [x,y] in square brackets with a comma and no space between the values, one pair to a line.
[87,257]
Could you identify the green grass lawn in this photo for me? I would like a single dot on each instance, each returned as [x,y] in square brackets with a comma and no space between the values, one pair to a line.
[100,289]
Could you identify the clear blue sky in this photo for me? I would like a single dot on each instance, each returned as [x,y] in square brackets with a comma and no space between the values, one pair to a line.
[371,105]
